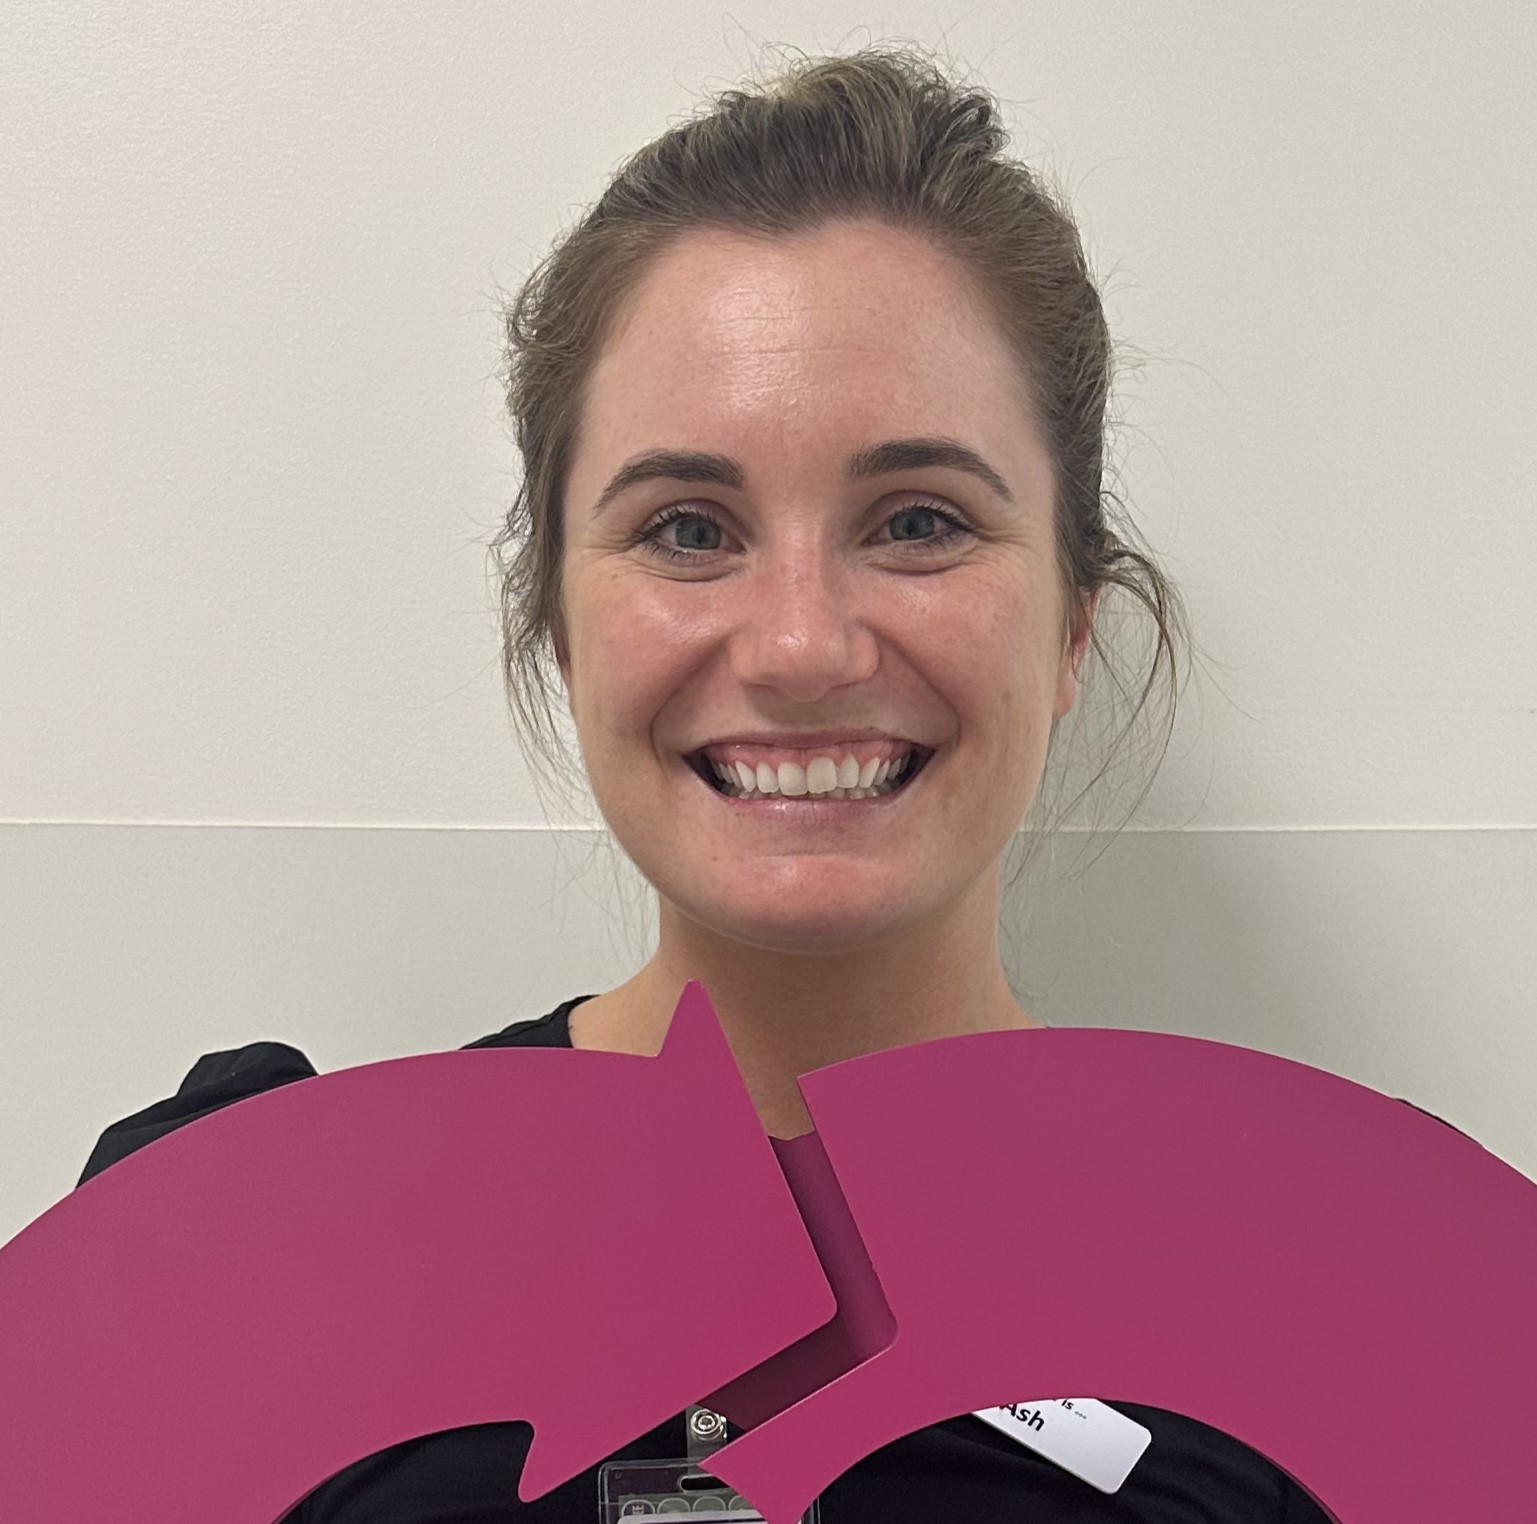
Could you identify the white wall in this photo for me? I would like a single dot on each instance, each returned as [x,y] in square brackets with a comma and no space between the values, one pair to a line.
[255,773]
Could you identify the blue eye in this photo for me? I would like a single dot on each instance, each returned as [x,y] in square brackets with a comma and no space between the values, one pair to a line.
[692,519]
[953,527]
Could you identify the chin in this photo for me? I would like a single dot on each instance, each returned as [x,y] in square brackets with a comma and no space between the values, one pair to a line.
[783,927]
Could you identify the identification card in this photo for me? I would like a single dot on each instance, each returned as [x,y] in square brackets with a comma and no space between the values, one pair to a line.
[640,1489]
[1094,1442]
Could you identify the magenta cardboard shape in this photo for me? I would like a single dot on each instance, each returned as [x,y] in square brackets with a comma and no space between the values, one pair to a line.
[373,1298]
[1291,1257]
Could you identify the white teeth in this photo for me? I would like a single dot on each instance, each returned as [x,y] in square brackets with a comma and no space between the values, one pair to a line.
[821,775]
[792,779]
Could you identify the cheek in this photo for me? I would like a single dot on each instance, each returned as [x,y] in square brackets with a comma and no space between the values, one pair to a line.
[999,655]
[632,645]
[995,645]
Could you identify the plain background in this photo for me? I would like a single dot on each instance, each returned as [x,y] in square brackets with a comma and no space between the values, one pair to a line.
[256,774]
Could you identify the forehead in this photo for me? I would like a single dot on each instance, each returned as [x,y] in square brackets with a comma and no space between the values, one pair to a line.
[856,329]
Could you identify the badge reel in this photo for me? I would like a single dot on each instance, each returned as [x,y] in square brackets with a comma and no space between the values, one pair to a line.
[640,1488]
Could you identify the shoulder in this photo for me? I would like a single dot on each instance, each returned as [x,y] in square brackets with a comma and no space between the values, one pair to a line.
[232,1074]
[216,1080]
[552,1030]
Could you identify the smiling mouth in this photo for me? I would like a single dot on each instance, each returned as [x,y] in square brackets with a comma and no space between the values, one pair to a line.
[793,786]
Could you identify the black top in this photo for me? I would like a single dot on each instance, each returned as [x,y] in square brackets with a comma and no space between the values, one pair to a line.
[959,1470]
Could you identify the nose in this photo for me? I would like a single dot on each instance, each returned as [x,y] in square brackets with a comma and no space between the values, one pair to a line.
[801,630]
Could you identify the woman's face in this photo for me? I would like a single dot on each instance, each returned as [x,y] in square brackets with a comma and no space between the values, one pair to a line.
[806,593]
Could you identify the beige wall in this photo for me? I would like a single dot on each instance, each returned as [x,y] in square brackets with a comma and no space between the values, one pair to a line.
[255,774]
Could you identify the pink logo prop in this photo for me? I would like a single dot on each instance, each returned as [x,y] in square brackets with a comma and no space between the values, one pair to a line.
[1342,1282]
[222,1320]
[219,1322]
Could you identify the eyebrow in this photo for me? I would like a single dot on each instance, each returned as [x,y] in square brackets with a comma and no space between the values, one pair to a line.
[882,459]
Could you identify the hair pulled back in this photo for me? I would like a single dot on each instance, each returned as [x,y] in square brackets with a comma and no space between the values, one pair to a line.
[883,133]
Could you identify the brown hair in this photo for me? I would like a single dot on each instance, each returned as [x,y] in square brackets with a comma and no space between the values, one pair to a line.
[883,133]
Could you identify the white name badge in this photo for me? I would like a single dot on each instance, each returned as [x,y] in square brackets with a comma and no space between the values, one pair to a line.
[1095,1443]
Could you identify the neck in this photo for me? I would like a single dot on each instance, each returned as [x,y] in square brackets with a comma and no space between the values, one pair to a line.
[785,1014]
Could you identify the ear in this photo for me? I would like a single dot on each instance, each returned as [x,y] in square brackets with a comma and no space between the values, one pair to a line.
[1074,653]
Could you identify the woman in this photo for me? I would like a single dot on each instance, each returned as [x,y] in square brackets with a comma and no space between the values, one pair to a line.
[811,407]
